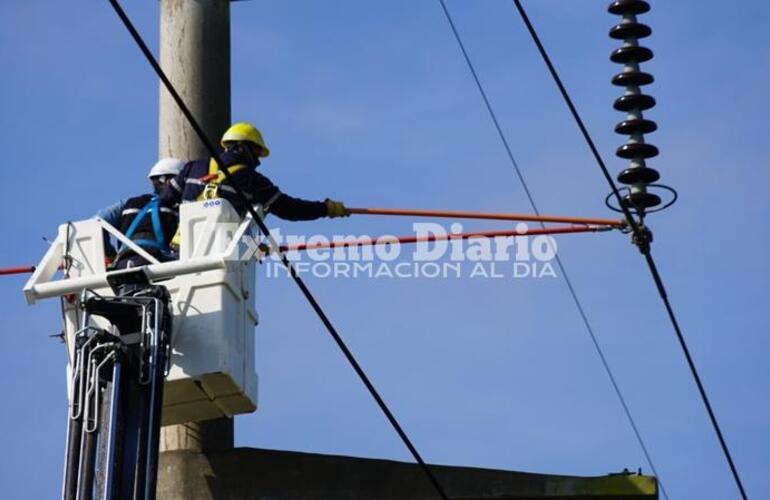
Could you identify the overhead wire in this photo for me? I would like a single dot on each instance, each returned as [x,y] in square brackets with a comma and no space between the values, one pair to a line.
[645,248]
[292,271]
[560,264]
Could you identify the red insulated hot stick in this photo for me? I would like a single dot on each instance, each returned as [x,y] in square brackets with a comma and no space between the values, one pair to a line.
[16,270]
[458,236]
[488,216]
[406,239]
[20,270]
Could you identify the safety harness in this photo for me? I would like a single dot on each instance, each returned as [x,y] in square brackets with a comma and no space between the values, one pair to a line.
[211,184]
[214,179]
[153,208]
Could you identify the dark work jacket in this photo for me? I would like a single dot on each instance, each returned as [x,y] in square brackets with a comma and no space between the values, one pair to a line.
[144,230]
[258,189]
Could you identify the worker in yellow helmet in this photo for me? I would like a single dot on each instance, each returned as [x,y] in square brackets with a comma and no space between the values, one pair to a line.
[243,146]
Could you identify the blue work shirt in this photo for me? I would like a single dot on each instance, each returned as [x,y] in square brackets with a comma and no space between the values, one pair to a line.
[112,213]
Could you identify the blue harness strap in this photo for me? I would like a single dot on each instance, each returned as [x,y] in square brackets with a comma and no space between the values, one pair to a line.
[153,207]
[156,226]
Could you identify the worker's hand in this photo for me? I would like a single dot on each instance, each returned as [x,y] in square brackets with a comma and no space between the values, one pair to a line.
[336,209]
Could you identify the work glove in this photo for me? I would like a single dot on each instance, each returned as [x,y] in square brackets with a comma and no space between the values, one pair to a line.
[336,209]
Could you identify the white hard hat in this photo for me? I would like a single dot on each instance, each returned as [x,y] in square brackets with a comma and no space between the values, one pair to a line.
[166,166]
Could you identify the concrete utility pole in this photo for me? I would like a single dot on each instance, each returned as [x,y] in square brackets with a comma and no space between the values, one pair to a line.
[195,55]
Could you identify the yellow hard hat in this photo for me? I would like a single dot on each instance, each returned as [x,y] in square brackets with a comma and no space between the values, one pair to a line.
[245,132]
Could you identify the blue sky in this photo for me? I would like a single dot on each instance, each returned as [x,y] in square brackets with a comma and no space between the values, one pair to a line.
[371,103]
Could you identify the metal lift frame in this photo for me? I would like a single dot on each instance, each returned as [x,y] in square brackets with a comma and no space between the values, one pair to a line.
[114,418]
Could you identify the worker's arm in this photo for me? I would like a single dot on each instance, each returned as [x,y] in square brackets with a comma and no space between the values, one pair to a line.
[286,207]
[111,214]
[289,208]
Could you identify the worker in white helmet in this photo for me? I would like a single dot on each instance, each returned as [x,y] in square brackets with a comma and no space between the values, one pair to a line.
[145,219]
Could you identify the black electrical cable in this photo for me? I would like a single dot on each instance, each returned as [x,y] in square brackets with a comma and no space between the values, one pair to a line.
[559,262]
[305,291]
[643,248]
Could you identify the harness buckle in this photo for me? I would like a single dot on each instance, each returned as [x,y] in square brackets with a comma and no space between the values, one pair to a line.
[210,192]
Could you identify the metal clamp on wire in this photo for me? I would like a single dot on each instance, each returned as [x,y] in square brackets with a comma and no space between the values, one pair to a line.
[263,251]
[642,239]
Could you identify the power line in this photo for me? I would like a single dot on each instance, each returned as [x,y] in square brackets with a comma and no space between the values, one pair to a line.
[645,249]
[292,271]
[559,262]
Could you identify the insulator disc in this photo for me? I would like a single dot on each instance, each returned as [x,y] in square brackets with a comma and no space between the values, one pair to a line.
[641,200]
[621,7]
[633,150]
[636,175]
[632,78]
[631,53]
[630,102]
[636,125]
[625,31]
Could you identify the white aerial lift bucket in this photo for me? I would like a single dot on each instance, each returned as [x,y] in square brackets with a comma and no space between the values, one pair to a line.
[211,371]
